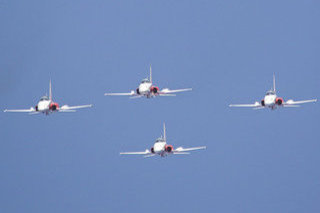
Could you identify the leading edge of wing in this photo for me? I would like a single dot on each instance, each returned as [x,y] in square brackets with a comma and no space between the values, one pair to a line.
[168,91]
[292,102]
[66,107]
[181,149]
[136,153]
[20,110]
[121,94]
[256,104]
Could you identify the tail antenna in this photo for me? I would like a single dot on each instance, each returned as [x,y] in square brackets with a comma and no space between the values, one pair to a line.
[50,91]
[164,132]
[274,83]
[150,74]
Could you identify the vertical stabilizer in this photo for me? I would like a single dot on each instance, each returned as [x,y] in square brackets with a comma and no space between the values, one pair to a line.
[274,83]
[150,74]
[164,132]
[50,91]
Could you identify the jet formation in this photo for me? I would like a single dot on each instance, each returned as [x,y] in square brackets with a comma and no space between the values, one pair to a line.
[147,89]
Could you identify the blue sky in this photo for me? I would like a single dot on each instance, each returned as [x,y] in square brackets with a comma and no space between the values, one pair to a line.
[227,51]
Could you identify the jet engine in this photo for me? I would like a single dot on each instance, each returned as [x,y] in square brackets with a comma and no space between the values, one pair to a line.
[138,92]
[262,103]
[279,101]
[54,106]
[152,150]
[169,148]
[36,107]
[154,89]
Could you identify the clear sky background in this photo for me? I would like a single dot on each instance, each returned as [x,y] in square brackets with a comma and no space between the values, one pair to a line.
[256,161]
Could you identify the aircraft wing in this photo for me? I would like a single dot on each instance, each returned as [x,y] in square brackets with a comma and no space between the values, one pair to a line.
[121,94]
[256,104]
[292,102]
[20,110]
[66,108]
[146,152]
[181,150]
[168,91]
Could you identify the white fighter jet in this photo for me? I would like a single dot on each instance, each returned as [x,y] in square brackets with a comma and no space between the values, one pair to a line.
[163,149]
[147,89]
[272,101]
[46,106]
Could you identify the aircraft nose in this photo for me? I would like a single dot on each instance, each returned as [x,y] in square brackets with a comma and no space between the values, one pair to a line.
[269,100]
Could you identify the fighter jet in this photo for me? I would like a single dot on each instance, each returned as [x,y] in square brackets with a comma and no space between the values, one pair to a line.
[272,101]
[163,149]
[147,89]
[46,106]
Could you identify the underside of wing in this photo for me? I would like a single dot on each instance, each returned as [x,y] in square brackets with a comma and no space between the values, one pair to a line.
[292,102]
[150,155]
[20,110]
[34,113]
[182,150]
[168,95]
[168,91]
[62,110]
[121,94]
[292,106]
[256,104]
[66,108]
[146,152]
[181,153]
[136,96]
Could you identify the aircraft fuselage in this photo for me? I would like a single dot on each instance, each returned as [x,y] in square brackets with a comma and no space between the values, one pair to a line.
[270,101]
[144,89]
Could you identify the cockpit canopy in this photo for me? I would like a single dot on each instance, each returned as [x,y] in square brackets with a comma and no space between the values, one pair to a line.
[44,98]
[270,92]
[145,81]
[159,140]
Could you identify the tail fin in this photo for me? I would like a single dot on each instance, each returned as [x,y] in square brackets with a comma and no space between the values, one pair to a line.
[50,91]
[150,74]
[274,83]
[164,132]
